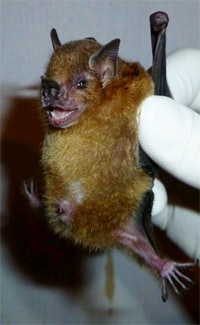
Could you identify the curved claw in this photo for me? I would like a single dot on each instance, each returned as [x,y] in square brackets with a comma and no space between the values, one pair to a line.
[164,290]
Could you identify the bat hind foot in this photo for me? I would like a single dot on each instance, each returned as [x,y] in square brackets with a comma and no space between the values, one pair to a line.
[31,191]
[171,272]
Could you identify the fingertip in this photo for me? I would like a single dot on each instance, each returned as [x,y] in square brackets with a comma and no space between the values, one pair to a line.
[160,197]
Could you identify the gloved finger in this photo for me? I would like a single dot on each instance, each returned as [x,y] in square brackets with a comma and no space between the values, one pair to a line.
[183,76]
[169,133]
[160,197]
[182,227]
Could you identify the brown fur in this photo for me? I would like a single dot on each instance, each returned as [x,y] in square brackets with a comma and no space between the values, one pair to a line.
[99,155]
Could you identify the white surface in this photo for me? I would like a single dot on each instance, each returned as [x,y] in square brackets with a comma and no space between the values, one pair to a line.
[25,48]
[136,299]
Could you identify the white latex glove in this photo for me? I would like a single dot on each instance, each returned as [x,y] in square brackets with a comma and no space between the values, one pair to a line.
[169,132]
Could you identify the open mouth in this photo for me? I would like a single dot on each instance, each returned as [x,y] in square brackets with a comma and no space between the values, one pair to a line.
[61,118]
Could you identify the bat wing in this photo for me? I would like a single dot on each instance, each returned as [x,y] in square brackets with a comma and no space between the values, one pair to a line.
[158,24]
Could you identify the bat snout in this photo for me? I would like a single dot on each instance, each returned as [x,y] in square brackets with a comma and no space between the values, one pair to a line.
[51,93]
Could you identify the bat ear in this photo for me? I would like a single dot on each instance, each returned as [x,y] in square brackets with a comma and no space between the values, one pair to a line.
[55,40]
[91,39]
[104,62]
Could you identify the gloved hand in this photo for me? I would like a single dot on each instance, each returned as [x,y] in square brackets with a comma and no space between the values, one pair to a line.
[169,132]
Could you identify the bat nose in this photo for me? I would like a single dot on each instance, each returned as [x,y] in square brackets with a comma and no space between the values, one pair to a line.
[51,93]
[49,83]
[50,88]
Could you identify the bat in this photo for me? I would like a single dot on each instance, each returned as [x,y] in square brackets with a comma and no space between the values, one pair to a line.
[98,182]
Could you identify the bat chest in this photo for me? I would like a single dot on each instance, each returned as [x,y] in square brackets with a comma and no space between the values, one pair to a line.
[94,165]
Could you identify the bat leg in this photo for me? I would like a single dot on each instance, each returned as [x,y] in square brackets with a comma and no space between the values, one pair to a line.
[31,191]
[132,240]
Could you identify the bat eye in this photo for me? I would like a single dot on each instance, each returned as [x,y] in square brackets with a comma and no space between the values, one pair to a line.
[81,84]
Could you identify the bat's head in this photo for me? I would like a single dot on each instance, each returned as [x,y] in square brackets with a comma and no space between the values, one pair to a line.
[75,76]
